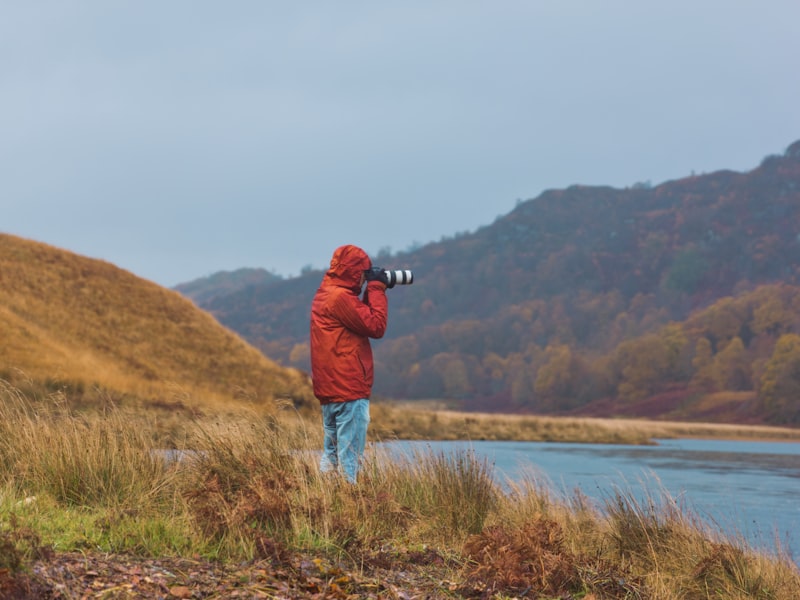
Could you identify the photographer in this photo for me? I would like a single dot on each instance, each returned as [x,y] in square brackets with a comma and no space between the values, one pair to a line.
[342,323]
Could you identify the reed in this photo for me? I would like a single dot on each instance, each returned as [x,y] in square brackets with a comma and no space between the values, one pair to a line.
[95,460]
[247,486]
[674,549]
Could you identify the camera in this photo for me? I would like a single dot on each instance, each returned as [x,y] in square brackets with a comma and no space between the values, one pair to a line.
[390,277]
[399,277]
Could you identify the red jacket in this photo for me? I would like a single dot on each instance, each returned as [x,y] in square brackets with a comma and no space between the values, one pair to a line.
[341,325]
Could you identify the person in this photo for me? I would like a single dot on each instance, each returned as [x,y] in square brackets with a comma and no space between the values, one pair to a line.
[342,323]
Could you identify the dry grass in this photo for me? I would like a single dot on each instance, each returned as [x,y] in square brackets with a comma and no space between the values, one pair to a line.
[407,422]
[83,325]
[98,459]
[250,488]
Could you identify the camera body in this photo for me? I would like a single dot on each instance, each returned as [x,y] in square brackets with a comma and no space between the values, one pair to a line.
[391,277]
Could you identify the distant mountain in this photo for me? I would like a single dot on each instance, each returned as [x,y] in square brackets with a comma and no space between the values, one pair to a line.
[85,326]
[224,283]
[539,310]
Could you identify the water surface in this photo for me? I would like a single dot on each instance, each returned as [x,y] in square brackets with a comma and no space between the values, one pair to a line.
[741,488]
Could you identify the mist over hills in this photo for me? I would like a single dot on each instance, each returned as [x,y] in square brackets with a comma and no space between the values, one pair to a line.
[100,333]
[223,283]
[589,299]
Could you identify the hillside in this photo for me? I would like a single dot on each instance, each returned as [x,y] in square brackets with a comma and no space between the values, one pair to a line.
[82,325]
[537,311]
[224,283]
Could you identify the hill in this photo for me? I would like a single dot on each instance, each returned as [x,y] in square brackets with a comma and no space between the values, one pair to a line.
[543,309]
[83,325]
[224,283]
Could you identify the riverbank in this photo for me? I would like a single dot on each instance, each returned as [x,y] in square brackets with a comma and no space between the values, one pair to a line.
[411,421]
[88,510]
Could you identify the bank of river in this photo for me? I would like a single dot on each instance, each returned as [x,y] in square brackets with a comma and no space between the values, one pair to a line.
[742,488]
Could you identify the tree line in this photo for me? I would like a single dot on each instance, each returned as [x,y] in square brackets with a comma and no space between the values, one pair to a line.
[586,294]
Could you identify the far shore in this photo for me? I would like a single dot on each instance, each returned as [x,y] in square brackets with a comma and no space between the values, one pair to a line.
[406,421]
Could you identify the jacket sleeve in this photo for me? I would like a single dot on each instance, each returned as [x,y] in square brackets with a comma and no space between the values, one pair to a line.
[368,317]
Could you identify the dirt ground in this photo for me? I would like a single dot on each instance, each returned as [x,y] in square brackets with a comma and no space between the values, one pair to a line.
[74,575]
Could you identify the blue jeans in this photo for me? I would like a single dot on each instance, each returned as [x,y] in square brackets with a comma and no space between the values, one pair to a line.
[345,435]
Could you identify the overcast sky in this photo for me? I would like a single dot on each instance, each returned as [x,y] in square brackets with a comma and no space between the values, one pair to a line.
[176,138]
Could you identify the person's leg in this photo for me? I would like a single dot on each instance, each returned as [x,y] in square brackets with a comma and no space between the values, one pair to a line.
[329,460]
[351,435]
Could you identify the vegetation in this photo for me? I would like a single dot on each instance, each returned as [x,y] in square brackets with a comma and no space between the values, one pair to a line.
[206,289]
[648,301]
[430,421]
[134,426]
[100,334]
[246,492]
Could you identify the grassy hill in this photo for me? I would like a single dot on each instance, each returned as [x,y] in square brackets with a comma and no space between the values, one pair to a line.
[547,308]
[85,326]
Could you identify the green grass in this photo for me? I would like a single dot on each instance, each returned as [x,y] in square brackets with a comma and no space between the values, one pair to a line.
[251,490]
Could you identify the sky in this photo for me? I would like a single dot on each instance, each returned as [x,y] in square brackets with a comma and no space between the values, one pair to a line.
[178,138]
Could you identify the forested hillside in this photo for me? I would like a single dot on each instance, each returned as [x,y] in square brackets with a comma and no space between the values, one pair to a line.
[673,300]
[224,283]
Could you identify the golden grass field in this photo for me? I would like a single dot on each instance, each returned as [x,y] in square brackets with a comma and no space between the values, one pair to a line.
[102,334]
[416,422]
[249,494]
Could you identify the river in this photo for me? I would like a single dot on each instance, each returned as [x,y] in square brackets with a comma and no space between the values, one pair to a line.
[742,488]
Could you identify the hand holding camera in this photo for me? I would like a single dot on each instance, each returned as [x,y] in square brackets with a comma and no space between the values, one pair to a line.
[389,278]
[377,274]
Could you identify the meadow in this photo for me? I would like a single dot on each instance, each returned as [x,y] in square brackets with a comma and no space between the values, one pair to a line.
[431,420]
[240,504]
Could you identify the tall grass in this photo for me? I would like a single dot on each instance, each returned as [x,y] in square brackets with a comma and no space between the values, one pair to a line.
[675,550]
[95,460]
[249,487]
[453,493]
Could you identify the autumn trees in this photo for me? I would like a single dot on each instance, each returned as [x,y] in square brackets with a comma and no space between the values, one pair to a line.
[586,294]
[550,357]
[780,382]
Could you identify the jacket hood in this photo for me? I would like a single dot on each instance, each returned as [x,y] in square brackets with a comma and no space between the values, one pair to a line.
[347,265]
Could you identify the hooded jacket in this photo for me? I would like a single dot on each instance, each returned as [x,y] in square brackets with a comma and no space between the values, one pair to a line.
[341,325]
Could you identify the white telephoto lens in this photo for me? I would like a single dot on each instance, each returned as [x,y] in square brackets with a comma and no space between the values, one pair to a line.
[400,276]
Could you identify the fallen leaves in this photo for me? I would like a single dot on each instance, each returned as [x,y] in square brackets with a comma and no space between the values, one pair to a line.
[97,576]
[180,591]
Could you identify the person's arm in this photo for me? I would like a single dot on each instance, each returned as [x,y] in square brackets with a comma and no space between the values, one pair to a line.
[367,318]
